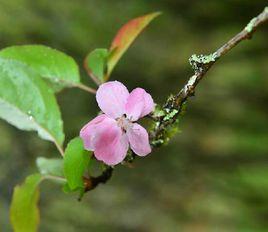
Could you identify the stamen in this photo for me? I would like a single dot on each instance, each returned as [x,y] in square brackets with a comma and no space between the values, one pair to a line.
[124,123]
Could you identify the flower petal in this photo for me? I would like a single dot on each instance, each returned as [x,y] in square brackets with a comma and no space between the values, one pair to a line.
[92,130]
[139,104]
[112,97]
[139,140]
[112,146]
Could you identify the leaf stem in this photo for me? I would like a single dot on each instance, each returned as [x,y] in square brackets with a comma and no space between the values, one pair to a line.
[86,88]
[60,149]
[95,79]
[57,178]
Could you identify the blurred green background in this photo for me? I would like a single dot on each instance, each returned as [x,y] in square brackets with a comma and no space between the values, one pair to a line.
[211,177]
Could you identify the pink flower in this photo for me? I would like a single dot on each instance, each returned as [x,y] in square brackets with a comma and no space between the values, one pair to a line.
[110,134]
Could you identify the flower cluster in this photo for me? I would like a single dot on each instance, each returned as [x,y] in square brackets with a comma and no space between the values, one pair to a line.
[110,134]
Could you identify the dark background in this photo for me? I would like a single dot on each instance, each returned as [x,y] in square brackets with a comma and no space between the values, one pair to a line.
[213,176]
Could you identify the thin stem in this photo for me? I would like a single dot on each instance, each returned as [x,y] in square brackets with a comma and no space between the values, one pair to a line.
[57,178]
[86,88]
[78,85]
[95,79]
[60,149]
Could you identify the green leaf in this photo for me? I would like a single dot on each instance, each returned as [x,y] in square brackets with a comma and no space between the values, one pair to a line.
[52,167]
[28,103]
[96,63]
[76,160]
[66,189]
[124,38]
[24,213]
[55,66]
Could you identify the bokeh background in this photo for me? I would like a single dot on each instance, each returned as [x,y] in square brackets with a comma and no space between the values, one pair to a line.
[213,176]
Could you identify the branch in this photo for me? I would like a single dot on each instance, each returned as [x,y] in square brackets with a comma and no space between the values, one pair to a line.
[168,115]
[92,182]
[200,64]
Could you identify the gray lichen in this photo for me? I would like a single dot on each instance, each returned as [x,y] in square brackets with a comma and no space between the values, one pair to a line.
[157,142]
[199,62]
[158,112]
[249,28]
[170,114]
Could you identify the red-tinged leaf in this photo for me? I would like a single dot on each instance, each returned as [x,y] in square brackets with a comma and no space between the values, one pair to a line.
[124,38]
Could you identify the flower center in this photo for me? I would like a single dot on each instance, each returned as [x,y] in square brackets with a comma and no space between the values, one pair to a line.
[124,123]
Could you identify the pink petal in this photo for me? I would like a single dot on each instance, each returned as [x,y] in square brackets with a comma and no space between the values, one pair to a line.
[139,104]
[92,130]
[112,97]
[139,140]
[112,146]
